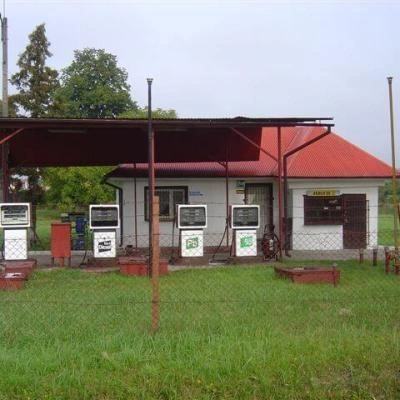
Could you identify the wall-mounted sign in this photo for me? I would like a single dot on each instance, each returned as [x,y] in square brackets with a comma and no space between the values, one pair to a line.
[240,185]
[323,192]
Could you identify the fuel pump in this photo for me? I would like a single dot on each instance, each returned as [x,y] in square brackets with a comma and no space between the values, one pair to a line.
[245,220]
[191,221]
[15,218]
[104,221]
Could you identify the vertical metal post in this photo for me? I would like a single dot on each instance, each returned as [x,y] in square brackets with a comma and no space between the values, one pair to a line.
[280,194]
[135,205]
[5,147]
[5,181]
[150,135]
[4,41]
[227,194]
[155,261]
[394,178]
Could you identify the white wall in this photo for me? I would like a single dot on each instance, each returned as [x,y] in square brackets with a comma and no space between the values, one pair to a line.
[210,191]
[330,237]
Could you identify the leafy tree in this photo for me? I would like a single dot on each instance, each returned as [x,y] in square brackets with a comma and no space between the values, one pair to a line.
[73,189]
[35,81]
[157,113]
[93,86]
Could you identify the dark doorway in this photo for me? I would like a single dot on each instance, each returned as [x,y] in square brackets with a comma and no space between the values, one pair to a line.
[355,221]
[260,194]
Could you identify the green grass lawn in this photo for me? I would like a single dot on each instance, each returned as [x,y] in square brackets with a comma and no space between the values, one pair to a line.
[226,333]
[385,229]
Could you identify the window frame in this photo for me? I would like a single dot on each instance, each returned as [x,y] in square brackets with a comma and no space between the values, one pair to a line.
[170,188]
[319,211]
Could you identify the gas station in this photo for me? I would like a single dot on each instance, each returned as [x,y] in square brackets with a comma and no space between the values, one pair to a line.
[30,142]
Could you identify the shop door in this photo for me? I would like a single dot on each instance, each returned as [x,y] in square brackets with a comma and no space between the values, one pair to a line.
[260,194]
[355,221]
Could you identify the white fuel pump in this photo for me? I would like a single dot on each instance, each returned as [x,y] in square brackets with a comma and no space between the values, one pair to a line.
[191,222]
[15,218]
[104,221]
[245,220]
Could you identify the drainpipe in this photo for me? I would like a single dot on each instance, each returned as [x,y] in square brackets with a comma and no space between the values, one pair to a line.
[285,178]
[120,202]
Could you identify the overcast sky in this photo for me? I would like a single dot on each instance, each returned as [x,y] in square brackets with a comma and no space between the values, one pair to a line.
[228,58]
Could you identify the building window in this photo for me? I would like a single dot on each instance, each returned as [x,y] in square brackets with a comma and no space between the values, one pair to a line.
[320,210]
[169,197]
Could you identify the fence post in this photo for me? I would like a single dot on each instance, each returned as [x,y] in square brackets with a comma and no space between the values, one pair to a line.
[155,263]
[387,260]
[361,259]
[374,256]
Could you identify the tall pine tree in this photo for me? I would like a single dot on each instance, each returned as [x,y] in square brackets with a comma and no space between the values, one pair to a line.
[35,81]
[36,84]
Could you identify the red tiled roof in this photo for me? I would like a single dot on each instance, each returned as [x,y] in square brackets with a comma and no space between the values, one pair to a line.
[330,157]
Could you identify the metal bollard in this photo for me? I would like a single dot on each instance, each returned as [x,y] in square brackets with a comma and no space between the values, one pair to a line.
[387,260]
[361,259]
[375,257]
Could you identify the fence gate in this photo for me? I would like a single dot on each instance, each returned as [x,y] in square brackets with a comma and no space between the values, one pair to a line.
[355,221]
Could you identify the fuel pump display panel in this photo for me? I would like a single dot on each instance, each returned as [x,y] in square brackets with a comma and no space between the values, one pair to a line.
[192,216]
[245,217]
[104,216]
[15,215]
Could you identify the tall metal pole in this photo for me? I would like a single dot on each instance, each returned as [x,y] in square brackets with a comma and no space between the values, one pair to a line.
[394,177]
[150,135]
[4,107]
[281,228]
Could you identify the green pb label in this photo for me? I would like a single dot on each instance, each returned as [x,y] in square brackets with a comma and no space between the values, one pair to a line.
[246,241]
[192,243]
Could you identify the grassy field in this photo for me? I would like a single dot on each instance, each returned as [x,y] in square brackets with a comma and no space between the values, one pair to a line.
[385,229]
[226,333]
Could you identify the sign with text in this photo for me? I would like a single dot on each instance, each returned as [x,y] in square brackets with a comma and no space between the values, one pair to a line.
[192,216]
[246,243]
[245,216]
[323,192]
[104,244]
[15,215]
[192,243]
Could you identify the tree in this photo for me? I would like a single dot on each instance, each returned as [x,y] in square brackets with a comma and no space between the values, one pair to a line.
[157,113]
[35,81]
[73,189]
[36,84]
[93,86]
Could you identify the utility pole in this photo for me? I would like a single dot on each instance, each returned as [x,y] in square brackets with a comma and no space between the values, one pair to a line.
[4,42]
[394,174]
[4,108]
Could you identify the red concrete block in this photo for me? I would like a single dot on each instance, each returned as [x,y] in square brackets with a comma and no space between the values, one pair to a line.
[25,266]
[12,281]
[139,266]
[310,274]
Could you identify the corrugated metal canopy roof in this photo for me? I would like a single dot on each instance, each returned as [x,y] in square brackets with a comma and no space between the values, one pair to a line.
[330,157]
[80,142]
